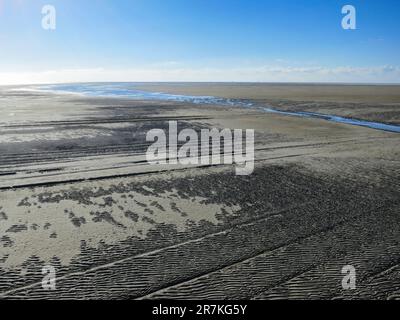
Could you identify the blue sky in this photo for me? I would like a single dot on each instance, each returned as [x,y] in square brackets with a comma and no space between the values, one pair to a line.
[199,40]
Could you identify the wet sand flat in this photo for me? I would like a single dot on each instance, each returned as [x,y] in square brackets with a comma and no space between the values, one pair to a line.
[368,102]
[76,193]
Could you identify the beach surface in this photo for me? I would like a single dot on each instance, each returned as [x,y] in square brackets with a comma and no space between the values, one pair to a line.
[369,102]
[77,193]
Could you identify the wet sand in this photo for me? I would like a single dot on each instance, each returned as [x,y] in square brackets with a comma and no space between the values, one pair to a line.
[379,103]
[76,193]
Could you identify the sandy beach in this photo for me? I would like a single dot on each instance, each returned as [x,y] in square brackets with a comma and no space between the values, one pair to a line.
[77,193]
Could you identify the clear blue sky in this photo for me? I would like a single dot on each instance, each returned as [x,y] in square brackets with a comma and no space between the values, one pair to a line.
[214,40]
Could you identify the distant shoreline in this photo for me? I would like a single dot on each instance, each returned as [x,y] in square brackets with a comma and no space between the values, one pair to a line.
[356,84]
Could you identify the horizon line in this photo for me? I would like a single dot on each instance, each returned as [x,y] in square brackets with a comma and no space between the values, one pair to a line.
[216,82]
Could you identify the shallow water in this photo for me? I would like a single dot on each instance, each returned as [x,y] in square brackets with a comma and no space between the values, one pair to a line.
[127,90]
[338,119]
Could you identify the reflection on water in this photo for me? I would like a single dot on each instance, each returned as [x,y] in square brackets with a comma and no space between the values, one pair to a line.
[128,90]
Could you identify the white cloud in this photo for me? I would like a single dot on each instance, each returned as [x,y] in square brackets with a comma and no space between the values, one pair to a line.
[172,72]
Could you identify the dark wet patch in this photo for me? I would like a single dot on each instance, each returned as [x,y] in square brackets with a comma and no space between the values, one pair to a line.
[148,220]
[6,241]
[157,205]
[131,215]
[108,202]
[3,215]
[107,217]
[76,221]
[17,228]
[149,211]
[25,203]
[175,208]
[143,205]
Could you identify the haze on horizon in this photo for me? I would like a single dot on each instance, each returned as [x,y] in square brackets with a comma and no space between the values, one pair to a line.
[199,40]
